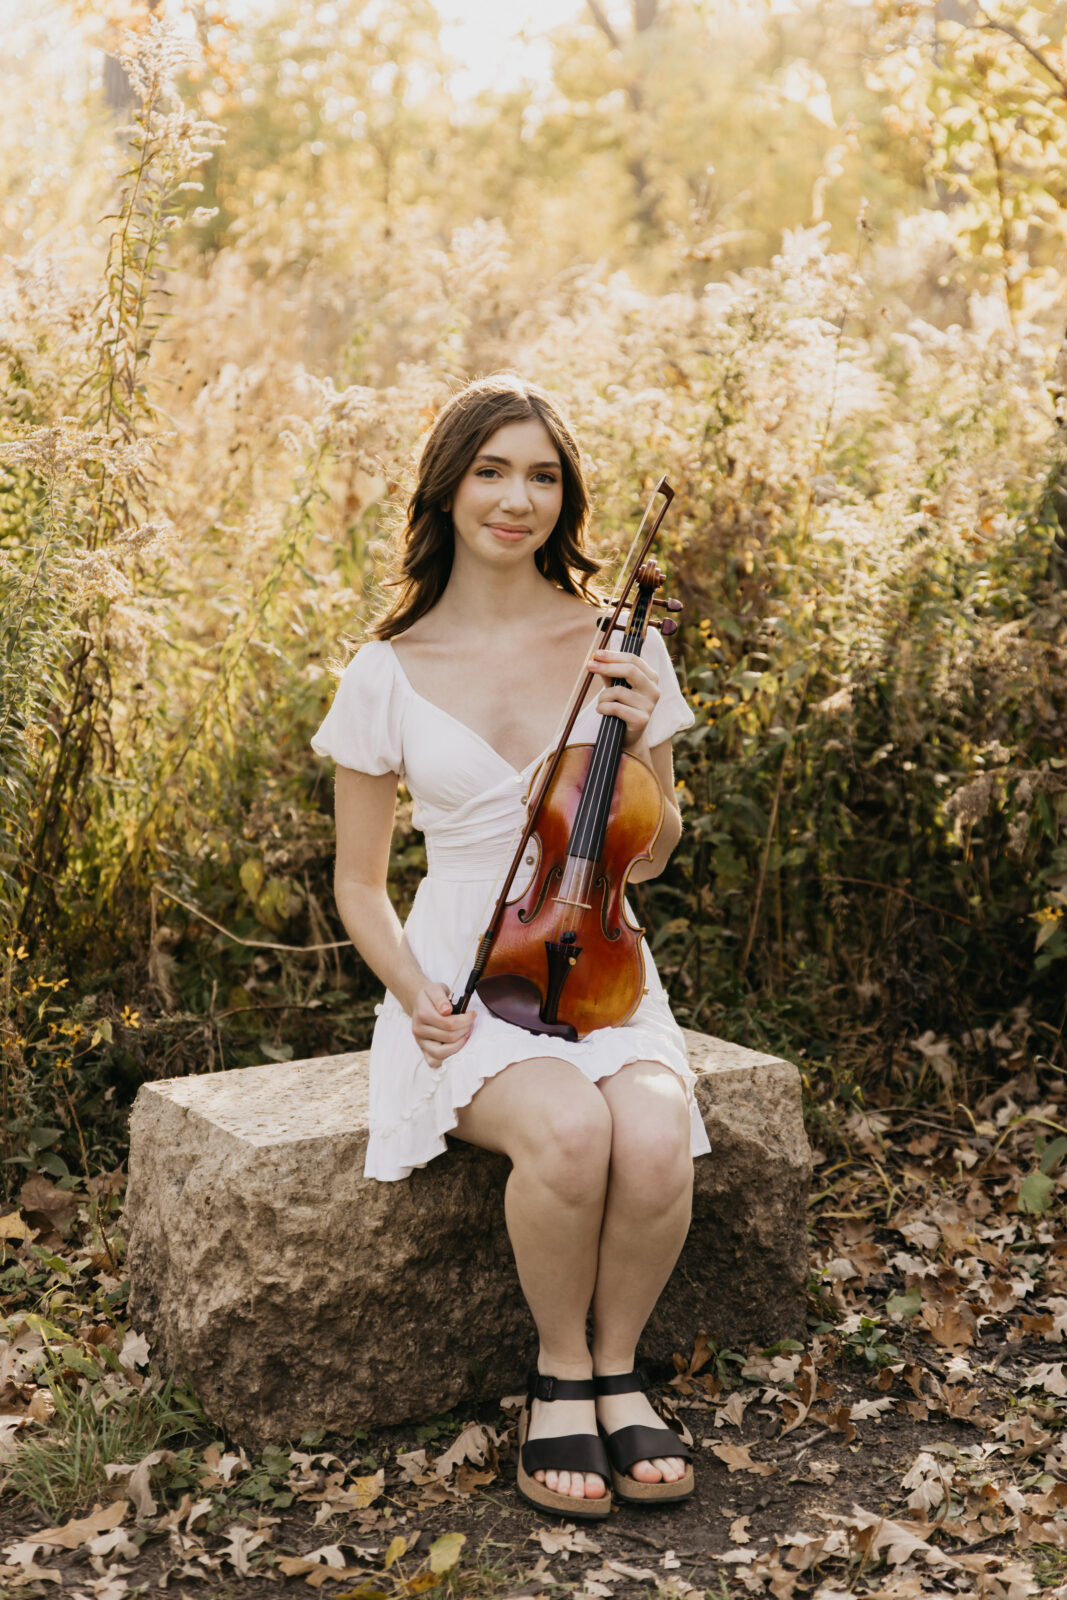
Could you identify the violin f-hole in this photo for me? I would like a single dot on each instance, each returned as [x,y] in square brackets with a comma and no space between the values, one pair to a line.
[528,916]
[600,882]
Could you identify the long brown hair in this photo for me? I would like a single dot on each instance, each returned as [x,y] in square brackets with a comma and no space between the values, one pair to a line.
[462,427]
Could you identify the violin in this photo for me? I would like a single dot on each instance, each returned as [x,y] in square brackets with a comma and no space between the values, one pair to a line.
[563,958]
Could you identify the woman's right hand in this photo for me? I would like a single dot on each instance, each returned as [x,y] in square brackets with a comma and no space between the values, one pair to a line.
[438,1033]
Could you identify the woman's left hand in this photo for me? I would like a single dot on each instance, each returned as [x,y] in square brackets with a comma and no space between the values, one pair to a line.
[634,700]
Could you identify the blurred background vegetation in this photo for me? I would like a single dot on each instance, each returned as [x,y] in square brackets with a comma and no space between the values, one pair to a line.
[806,257]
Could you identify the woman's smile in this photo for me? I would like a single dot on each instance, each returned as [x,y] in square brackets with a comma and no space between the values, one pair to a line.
[512,492]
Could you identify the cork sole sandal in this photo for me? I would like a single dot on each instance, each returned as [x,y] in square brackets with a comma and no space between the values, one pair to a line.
[640,1443]
[571,1452]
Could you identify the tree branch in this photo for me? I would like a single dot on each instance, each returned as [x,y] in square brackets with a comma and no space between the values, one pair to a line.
[993,25]
[600,17]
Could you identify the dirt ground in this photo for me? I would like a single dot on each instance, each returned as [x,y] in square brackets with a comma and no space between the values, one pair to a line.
[912,1445]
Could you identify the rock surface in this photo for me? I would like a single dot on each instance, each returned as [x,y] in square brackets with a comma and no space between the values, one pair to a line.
[295,1293]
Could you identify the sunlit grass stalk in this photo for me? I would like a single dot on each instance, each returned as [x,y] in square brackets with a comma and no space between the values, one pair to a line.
[802,541]
[298,529]
[118,408]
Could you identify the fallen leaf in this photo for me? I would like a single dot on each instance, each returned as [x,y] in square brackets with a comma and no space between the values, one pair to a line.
[675,1587]
[861,1410]
[838,1421]
[242,1541]
[894,1541]
[30,1572]
[739,1530]
[926,1480]
[954,1329]
[134,1352]
[138,1479]
[445,1550]
[472,1445]
[42,1406]
[81,1529]
[734,1409]
[395,1551]
[467,1478]
[317,1568]
[565,1541]
[114,1543]
[738,1458]
[702,1354]
[412,1464]
[9,1426]
[12,1226]
[360,1493]
[55,1207]
[1048,1375]
[221,1468]
[367,1490]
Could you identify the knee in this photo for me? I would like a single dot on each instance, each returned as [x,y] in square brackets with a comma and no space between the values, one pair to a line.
[650,1157]
[571,1144]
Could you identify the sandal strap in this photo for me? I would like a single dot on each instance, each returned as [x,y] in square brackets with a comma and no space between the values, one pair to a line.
[624,1382]
[540,1386]
[640,1443]
[569,1452]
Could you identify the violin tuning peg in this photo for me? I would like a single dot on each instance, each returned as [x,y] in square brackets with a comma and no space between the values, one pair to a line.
[668,626]
[668,605]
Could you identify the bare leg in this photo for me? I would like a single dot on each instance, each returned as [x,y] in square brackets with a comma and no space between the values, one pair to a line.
[646,1219]
[556,1128]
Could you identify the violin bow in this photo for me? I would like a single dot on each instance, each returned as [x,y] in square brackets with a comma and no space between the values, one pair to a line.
[485,943]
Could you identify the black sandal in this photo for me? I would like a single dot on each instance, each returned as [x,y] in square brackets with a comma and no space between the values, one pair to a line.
[641,1443]
[570,1452]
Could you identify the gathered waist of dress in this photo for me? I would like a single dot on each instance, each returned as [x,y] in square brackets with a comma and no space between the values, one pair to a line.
[467,863]
[476,845]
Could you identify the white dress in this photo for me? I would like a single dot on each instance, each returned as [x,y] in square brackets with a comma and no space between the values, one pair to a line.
[468,801]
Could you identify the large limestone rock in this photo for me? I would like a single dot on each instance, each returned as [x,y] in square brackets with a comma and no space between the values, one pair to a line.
[293,1292]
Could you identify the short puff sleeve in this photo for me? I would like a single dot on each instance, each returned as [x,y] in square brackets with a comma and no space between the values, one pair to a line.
[363,728]
[672,712]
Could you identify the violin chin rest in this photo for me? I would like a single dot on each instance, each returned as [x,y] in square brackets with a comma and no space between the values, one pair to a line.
[518,1001]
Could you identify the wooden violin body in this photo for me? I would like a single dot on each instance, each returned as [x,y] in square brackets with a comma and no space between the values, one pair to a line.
[566,958]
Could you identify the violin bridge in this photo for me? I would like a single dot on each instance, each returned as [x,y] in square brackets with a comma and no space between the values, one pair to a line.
[561,900]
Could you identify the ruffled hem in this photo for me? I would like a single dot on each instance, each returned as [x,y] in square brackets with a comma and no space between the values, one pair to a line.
[417,1135]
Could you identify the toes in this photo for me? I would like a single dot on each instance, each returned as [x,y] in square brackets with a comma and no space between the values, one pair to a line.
[594,1486]
[662,1469]
[550,1480]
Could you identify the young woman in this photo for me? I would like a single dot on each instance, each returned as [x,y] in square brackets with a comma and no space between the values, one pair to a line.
[460,692]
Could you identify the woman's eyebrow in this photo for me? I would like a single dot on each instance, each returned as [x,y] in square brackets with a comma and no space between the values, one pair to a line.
[502,461]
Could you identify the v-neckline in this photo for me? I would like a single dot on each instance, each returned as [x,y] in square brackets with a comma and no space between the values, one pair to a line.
[493,751]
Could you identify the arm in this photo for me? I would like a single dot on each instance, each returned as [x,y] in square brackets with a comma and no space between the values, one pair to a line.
[364,808]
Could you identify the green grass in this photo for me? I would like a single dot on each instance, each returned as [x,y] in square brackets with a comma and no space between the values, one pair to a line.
[63,1470]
